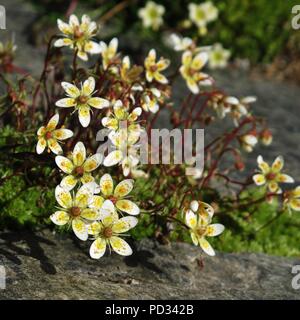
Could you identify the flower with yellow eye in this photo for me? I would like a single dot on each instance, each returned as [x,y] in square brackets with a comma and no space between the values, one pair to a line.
[78,168]
[82,100]
[121,118]
[108,52]
[77,210]
[49,136]
[151,15]
[108,230]
[118,195]
[150,100]
[153,68]
[218,56]
[191,70]
[202,14]
[126,152]
[179,43]
[271,176]
[78,36]
[291,199]
[198,219]
[131,74]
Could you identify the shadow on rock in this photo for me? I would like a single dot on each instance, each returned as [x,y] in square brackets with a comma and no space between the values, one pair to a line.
[142,257]
[10,249]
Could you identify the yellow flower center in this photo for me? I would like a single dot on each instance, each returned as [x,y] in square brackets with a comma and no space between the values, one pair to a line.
[75,211]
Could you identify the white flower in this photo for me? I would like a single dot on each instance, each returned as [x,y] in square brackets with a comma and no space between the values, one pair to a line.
[248,141]
[120,117]
[77,210]
[292,199]
[271,176]
[150,100]
[222,104]
[151,15]
[108,52]
[198,219]
[218,57]
[191,70]
[126,152]
[50,136]
[180,43]
[153,68]
[240,109]
[82,100]
[118,195]
[107,233]
[202,14]
[78,36]
[78,168]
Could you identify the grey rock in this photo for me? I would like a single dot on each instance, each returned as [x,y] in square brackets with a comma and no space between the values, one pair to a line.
[48,266]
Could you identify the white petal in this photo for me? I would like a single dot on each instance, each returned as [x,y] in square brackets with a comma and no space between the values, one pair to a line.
[215,229]
[88,86]
[124,224]
[84,116]
[190,219]
[123,188]
[68,182]
[66,103]
[80,229]
[98,103]
[92,162]
[71,89]
[64,164]
[206,247]
[113,158]
[98,248]
[128,207]
[79,154]
[194,205]
[60,218]
[107,209]
[106,184]
[92,47]
[120,246]
[63,197]
[41,145]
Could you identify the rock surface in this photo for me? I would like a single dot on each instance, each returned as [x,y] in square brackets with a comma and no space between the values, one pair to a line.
[45,266]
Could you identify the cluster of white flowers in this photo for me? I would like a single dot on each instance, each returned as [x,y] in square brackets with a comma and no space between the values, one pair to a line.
[93,209]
